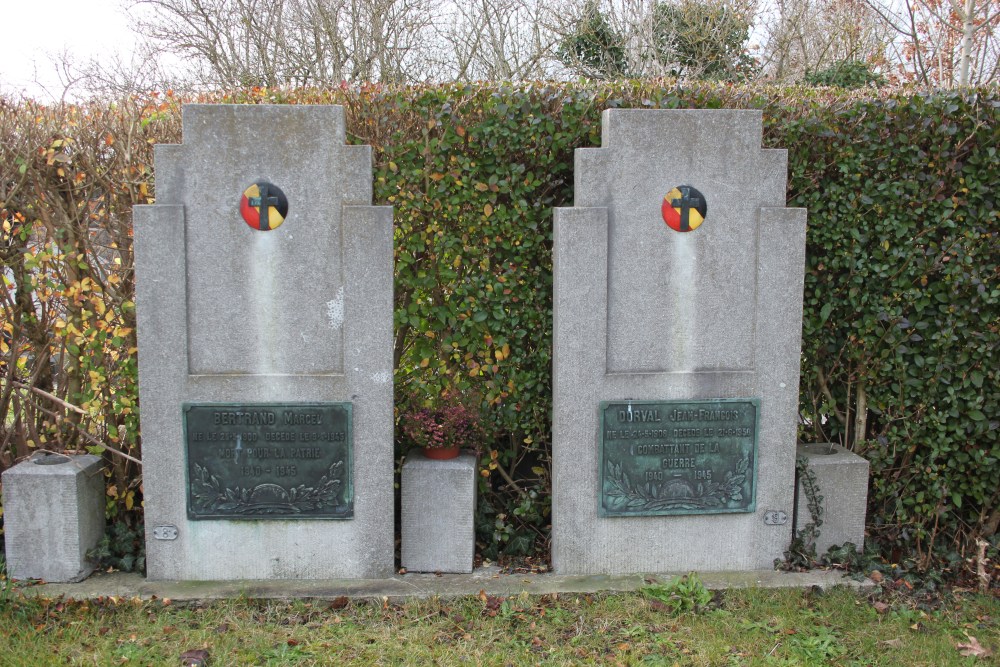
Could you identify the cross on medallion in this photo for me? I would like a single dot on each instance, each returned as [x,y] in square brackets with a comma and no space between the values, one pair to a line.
[262,204]
[685,204]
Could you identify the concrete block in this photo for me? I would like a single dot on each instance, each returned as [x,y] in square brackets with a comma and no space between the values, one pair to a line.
[53,515]
[437,510]
[842,478]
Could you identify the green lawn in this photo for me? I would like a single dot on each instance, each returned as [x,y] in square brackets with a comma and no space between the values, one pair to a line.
[739,627]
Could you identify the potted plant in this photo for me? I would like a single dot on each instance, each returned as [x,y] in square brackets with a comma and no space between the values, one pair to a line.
[442,430]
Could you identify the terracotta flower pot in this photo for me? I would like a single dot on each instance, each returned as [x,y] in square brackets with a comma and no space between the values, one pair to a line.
[441,453]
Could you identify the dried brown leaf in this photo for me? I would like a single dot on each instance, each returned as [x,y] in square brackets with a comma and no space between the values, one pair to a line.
[973,648]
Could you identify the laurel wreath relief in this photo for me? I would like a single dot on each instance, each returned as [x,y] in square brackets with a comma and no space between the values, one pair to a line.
[210,497]
[675,494]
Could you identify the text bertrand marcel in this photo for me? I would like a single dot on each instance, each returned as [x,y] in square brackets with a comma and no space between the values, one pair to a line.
[265,418]
[269,418]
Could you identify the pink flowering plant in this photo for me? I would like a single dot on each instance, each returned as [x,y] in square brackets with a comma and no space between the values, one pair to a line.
[455,423]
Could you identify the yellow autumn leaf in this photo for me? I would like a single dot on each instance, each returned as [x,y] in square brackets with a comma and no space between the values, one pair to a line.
[129,500]
[506,350]
[458,262]
[430,334]
[393,168]
[482,187]
[498,354]
[436,177]
[424,362]
[487,210]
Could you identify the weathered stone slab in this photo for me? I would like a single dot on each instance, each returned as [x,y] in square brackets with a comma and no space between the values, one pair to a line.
[643,312]
[233,314]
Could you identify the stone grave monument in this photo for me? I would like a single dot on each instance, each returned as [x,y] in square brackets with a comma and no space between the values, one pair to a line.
[264,302]
[677,334]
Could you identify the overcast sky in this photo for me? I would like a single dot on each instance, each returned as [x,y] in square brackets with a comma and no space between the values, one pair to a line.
[36,32]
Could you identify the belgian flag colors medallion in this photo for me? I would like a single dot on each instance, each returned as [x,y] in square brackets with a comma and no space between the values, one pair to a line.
[684,209]
[264,206]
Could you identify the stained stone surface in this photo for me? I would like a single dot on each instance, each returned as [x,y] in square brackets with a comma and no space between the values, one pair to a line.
[53,510]
[842,479]
[437,508]
[298,314]
[647,313]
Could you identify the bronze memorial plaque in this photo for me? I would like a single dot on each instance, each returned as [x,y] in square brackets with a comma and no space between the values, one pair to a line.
[678,457]
[269,461]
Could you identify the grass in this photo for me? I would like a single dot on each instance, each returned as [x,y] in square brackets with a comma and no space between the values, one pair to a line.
[739,627]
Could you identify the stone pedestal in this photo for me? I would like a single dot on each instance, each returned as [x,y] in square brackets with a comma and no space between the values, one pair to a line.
[53,514]
[437,509]
[842,478]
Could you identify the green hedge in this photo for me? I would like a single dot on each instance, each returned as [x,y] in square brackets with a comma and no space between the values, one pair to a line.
[902,314]
[901,308]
